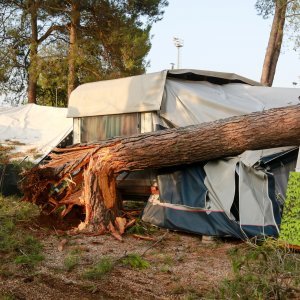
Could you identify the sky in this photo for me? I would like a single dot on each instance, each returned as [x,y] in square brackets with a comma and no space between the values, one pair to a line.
[219,35]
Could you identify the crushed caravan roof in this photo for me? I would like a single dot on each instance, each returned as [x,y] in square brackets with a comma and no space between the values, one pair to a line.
[137,93]
[195,95]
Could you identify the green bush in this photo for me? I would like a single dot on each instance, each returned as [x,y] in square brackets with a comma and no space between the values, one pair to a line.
[290,226]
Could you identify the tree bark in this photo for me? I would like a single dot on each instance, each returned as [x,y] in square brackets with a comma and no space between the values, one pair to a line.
[32,71]
[73,47]
[274,44]
[103,162]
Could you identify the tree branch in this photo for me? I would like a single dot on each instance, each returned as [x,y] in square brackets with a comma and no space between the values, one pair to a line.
[50,31]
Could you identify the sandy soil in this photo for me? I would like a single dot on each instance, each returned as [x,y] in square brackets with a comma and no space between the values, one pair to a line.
[182,266]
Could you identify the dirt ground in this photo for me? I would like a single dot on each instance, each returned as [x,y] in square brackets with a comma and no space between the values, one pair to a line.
[182,266]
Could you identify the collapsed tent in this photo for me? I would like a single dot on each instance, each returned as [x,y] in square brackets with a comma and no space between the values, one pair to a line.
[224,197]
[240,196]
[173,98]
[29,133]
[32,131]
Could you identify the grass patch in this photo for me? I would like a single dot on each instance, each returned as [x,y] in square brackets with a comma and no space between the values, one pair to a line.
[135,261]
[168,260]
[266,271]
[178,290]
[165,262]
[15,244]
[97,271]
[30,251]
[142,228]
[14,210]
[72,259]
[191,296]
[6,296]
[165,269]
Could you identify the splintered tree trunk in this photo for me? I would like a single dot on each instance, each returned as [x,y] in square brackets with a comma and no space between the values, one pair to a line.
[272,128]
[274,44]
[100,198]
[186,145]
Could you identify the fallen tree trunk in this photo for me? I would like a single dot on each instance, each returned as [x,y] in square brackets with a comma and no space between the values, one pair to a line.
[98,165]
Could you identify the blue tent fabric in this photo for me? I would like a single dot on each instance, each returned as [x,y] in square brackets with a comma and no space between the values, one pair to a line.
[184,186]
[183,198]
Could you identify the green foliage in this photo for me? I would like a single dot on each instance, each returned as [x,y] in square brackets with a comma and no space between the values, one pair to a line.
[266,271]
[266,8]
[31,252]
[112,41]
[13,210]
[72,259]
[141,227]
[102,267]
[18,246]
[290,226]
[53,75]
[135,261]
[137,229]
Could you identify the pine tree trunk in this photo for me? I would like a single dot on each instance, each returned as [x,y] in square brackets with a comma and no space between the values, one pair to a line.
[73,47]
[273,128]
[32,72]
[274,44]
[103,162]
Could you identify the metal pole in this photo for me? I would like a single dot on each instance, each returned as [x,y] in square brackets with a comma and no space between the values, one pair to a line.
[178,44]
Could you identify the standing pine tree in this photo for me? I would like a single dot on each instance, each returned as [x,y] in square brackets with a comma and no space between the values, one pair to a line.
[286,13]
[49,47]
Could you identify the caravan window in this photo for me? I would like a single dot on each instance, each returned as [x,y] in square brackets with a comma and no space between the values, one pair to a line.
[98,128]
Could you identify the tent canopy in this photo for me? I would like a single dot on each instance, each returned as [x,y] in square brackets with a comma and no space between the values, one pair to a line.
[183,97]
[118,96]
[33,131]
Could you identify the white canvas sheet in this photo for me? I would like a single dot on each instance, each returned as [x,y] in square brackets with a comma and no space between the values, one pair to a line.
[221,188]
[193,102]
[33,130]
[255,205]
[179,101]
[131,94]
